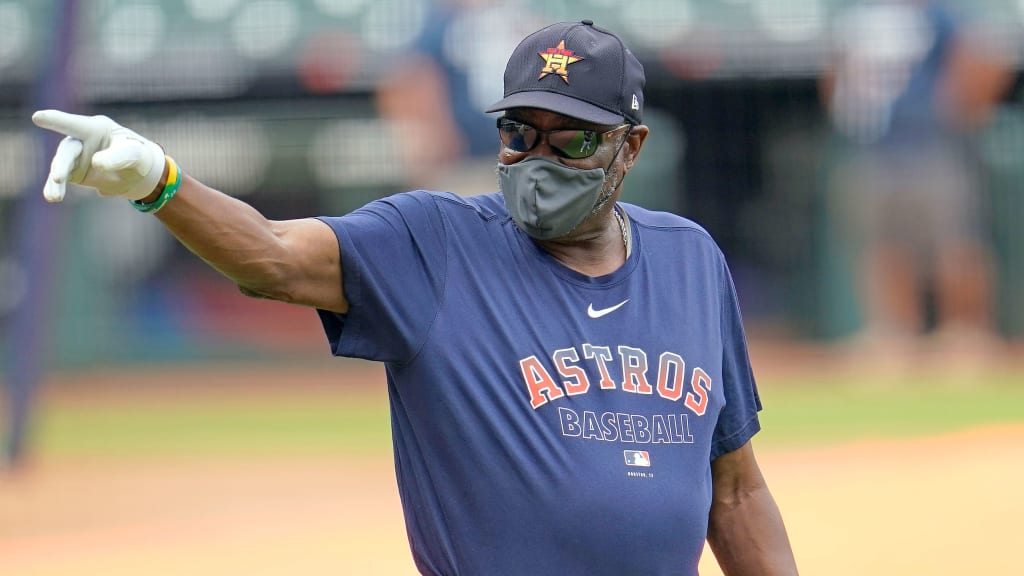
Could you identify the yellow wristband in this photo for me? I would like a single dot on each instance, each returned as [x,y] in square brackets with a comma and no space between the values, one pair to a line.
[170,189]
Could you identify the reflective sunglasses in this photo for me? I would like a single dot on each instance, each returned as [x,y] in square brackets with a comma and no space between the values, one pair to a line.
[573,143]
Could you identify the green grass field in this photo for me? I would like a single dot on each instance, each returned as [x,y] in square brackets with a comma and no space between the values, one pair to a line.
[806,412]
[811,413]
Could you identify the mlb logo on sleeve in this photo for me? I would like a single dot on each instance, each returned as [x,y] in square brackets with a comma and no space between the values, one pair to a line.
[637,458]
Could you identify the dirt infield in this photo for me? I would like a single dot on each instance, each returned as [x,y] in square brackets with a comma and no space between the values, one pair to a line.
[939,505]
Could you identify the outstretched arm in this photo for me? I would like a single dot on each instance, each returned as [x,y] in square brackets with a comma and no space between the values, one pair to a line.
[745,528]
[294,261]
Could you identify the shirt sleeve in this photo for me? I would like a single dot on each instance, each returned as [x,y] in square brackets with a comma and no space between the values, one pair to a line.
[738,421]
[393,262]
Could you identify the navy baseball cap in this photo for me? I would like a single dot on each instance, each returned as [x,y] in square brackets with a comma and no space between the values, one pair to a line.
[575,69]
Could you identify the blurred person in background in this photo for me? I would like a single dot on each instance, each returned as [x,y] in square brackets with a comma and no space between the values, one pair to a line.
[436,93]
[911,82]
[533,339]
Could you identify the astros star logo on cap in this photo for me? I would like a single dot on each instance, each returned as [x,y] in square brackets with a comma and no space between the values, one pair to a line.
[557,60]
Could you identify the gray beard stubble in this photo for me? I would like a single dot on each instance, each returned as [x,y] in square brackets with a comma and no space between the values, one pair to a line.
[611,182]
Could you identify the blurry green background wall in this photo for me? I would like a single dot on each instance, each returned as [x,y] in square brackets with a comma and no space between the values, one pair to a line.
[278,102]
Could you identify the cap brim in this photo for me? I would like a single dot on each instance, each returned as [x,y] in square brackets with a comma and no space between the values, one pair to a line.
[559,104]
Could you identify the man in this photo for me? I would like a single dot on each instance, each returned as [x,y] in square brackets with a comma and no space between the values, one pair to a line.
[906,189]
[534,340]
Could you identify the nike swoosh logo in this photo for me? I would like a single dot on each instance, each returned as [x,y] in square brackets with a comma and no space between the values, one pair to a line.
[604,311]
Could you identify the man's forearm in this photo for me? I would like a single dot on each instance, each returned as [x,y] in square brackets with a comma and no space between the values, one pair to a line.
[748,536]
[227,233]
[295,261]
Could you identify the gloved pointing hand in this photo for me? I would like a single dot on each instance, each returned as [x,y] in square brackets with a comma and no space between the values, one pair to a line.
[101,154]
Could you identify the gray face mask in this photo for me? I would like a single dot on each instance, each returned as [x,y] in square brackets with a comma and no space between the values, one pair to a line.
[547,199]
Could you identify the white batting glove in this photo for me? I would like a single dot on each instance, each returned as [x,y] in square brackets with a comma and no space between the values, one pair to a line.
[101,154]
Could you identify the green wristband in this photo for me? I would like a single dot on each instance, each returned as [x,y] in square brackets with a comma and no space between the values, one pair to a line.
[170,189]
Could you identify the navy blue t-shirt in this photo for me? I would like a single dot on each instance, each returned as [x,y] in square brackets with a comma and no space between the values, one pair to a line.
[546,422]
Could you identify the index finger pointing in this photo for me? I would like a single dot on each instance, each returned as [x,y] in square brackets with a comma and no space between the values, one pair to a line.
[74,125]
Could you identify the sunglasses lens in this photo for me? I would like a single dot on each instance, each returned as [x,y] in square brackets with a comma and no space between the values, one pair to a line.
[516,135]
[574,143]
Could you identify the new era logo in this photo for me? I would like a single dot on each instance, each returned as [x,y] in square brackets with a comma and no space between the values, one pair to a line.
[636,103]
[637,458]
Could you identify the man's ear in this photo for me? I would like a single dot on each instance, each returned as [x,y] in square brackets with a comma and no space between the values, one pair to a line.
[634,142]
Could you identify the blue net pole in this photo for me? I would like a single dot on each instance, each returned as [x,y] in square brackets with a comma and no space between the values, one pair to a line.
[38,238]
